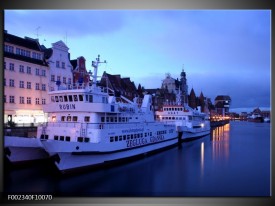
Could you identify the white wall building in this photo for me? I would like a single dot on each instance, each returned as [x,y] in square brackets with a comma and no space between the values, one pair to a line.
[25,80]
[60,66]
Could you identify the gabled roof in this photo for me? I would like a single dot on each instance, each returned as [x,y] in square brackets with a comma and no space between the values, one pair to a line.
[222,97]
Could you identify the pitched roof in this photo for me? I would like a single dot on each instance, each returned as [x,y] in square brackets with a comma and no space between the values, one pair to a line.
[26,42]
[223,97]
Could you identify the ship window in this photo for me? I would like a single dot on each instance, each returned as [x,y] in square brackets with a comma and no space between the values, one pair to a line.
[52,98]
[70,98]
[74,118]
[141,135]
[124,137]
[56,98]
[145,134]
[68,138]
[75,98]
[62,138]
[116,138]
[120,138]
[132,136]
[86,119]
[80,139]
[102,119]
[65,98]
[46,136]
[86,139]
[190,117]
[61,98]
[90,98]
[63,118]
[115,119]
[55,137]
[111,139]
[80,97]
[107,119]
[69,118]
[173,118]
[169,109]
[150,133]
[119,119]
[111,119]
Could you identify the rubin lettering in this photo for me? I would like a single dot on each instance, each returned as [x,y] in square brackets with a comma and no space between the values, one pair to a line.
[66,106]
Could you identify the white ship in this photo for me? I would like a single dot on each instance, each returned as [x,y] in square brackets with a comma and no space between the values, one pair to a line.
[90,126]
[192,123]
[19,150]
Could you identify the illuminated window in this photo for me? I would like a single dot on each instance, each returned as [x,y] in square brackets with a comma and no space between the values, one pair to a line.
[53,118]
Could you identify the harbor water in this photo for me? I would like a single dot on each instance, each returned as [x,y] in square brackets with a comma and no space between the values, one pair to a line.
[233,161]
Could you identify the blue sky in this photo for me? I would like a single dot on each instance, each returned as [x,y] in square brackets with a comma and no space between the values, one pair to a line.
[223,52]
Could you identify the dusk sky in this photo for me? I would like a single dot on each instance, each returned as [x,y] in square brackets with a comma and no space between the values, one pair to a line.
[224,52]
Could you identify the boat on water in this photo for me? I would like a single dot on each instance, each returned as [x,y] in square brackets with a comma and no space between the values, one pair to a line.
[192,123]
[20,150]
[255,118]
[92,125]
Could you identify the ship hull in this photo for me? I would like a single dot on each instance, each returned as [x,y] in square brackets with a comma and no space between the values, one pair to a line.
[73,161]
[20,150]
[188,136]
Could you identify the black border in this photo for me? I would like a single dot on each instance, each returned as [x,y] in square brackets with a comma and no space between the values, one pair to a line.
[141,4]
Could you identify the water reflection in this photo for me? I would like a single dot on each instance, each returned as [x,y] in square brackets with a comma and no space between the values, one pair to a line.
[202,158]
[220,142]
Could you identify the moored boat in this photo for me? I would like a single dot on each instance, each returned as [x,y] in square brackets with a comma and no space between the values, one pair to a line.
[192,123]
[20,150]
[90,126]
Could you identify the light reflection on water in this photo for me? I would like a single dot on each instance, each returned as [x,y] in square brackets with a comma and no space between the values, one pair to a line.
[220,137]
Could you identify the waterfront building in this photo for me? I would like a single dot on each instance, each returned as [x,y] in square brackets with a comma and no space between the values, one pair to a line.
[80,73]
[58,59]
[170,84]
[121,86]
[25,80]
[222,104]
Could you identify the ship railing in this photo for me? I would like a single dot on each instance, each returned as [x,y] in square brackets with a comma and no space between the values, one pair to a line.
[100,126]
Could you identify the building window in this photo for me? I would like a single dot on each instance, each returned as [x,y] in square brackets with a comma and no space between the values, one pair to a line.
[21,68]
[21,84]
[29,100]
[29,70]
[36,86]
[57,64]
[58,78]
[21,100]
[12,99]
[36,100]
[63,65]
[52,78]
[11,82]
[44,87]
[11,67]
[28,53]
[29,85]
[37,72]
[43,72]
[64,80]
[43,101]
[9,48]
[69,80]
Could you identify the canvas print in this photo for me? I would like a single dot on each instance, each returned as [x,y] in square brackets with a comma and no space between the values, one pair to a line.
[137,103]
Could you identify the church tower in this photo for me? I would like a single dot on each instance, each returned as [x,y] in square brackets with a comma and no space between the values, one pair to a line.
[183,87]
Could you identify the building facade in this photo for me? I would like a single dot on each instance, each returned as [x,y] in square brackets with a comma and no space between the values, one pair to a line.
[58,59]
[80,74]
[222,104]
[25,80]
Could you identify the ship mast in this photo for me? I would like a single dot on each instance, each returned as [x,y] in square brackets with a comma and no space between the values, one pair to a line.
[95,65]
